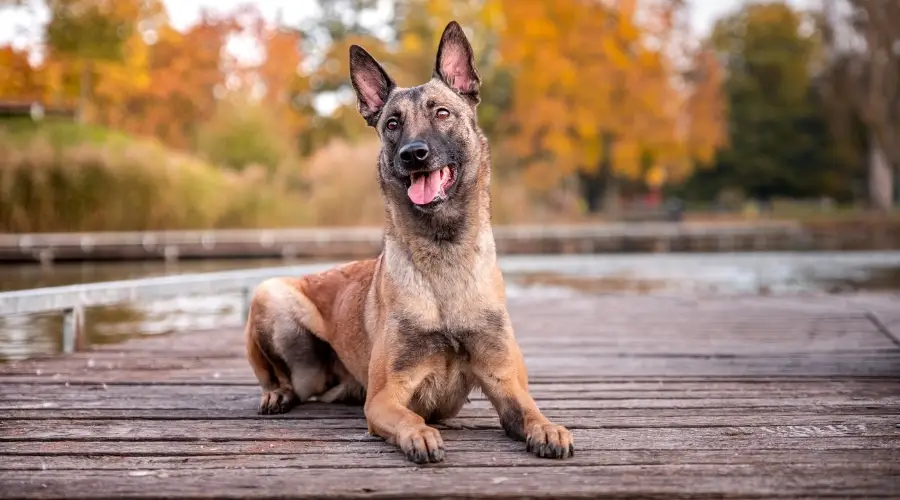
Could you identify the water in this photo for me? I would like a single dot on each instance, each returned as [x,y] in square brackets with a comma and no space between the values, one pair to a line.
[693,275]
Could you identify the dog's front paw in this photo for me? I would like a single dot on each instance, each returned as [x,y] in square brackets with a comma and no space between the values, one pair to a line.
[422,444]
[550,441]
[276,402]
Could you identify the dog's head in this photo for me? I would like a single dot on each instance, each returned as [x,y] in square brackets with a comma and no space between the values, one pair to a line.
[432,148]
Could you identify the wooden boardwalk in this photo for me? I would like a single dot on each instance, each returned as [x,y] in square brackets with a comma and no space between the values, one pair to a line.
[751,397]
[364,242]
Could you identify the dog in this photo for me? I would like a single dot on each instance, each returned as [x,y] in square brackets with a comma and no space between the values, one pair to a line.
[412,332]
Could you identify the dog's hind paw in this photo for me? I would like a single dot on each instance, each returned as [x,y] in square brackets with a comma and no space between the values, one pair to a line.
[422,445]
[550,441]
[276,402]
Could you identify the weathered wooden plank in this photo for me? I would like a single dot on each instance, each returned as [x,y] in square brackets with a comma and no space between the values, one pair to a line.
[249,402]
[598,391]
[609,347]
[243,377]
[211,456]
[673,384]
[246,451]
[704,480]
[314,410]
[704,437]
[885,364]
[484,419]
[796,336]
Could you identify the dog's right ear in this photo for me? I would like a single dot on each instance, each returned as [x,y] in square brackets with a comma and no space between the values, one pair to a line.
[371,83]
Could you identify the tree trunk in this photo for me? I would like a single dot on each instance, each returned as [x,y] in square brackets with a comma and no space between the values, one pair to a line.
[84,90]
[611,191]
[611,201]
[881,178]
[591,185]
[600,189]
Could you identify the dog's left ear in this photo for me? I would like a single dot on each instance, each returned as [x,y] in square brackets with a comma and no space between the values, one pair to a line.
[455,63]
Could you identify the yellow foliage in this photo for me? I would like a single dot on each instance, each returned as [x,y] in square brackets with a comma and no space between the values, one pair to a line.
[17,78]
[584,69]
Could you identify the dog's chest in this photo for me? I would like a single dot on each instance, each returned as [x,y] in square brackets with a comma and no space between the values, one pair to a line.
[446,387]
[444,391]
[450,295]
[451,347]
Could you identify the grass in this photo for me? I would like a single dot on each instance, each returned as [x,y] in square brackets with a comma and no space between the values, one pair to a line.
[60,176]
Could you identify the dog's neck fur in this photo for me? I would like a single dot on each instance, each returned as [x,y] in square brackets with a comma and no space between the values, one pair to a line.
[435,242]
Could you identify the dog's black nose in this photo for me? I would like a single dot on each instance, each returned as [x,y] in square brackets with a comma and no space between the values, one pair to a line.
[414,154]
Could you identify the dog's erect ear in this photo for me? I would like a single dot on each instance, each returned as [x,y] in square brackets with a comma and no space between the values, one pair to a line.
[455,63]
[371,83]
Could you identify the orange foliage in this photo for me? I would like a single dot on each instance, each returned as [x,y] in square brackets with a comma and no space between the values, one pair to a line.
[18,80]
[280,73]
[184,72]
[583,70]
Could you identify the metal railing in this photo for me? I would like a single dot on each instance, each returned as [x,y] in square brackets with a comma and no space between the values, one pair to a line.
[72,299]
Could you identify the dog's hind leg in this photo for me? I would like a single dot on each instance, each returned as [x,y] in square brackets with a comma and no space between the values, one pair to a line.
[291,364]
[346,391]
[308,359]
[278,395]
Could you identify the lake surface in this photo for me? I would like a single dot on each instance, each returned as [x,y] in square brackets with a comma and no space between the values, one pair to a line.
[686,275]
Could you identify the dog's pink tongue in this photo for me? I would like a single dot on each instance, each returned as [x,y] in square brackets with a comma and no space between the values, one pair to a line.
[425,188]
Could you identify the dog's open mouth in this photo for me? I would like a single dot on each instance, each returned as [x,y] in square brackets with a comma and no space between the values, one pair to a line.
[427,187]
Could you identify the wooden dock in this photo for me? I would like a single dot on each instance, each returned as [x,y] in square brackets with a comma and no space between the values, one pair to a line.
[364,242]
[750,397]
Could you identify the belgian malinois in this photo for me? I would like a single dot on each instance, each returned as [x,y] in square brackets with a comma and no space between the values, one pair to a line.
[413,331]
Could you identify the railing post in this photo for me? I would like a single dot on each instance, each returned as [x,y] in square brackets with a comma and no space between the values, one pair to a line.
[73,328]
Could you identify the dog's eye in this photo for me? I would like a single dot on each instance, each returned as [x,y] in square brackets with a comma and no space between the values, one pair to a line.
[392,124]
[442,114]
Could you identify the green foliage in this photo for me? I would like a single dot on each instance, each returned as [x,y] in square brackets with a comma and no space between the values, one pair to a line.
[780,143]
[60,133]
[243,134]
[64,177]
[87,29]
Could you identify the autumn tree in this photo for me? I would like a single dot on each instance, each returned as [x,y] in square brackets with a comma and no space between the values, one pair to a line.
[286,90]
[18,79]
[83,32]
[862,78]
[417,27]
[593,94]
[779,141]
[325,42]
[185,71]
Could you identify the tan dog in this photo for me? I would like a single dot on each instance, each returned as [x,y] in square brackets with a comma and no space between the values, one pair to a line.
[414,331]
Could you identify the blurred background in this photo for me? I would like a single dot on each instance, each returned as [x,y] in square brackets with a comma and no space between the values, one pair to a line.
[158,114]
[142,115]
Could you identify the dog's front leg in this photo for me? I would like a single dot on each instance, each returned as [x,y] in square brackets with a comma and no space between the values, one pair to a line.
[503,379]
[389,417]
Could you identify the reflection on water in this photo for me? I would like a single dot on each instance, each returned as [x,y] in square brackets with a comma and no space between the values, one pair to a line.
[711,274]
[682,274]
